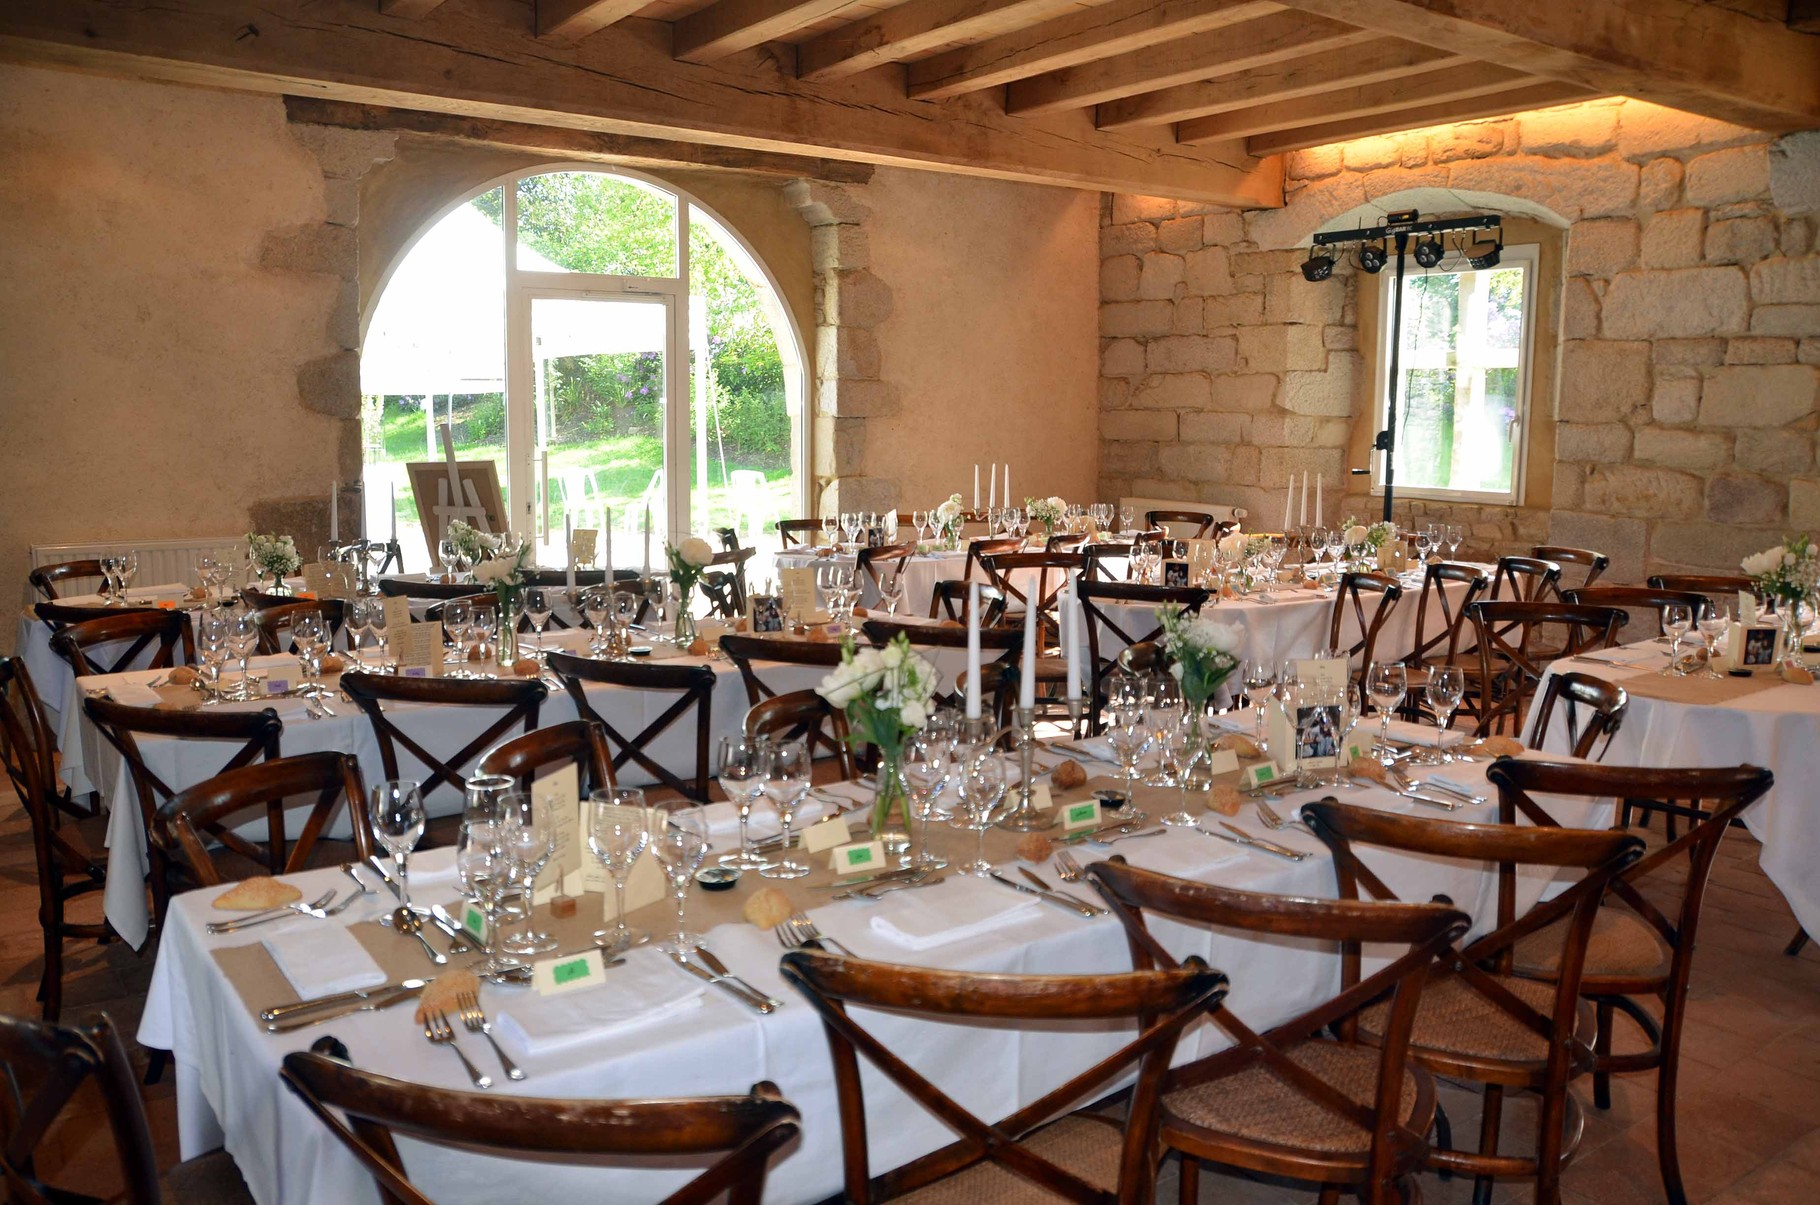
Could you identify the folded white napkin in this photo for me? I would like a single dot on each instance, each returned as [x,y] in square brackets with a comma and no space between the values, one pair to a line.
[1181,854]
[649,987]
[134,694]
[321,960]
[431,868]
[1425,734]
[1460,780]
[723,818]
[1631,654]
[955,910]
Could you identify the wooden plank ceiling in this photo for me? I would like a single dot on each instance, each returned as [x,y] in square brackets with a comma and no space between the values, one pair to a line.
[1187,98]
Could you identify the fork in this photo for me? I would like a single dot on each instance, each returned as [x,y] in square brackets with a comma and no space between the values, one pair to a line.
[1271,820]
[437,1029]
[476,1021]
[1067,867]
[799,930]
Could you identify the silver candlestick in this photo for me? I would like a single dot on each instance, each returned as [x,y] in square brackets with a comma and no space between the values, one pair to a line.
[1024,818]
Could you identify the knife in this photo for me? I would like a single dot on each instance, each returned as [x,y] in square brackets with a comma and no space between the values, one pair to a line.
[459,942]
[707,976]
[883,876]
[1432,784]
[713,963]
[1036,881]
[385,877]
[1048,897]
[1244,838]
[376,1002]
[366,993]
[882,889]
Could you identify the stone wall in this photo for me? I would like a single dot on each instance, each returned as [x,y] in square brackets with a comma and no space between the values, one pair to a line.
[1689,331]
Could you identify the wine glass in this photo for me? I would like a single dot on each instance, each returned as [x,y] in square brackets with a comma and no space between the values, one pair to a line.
[206,565]
[925,770]
[359,616]
[211,650]
[1455,534]
[483,869]
[1129,736]
[446,552]
[830,530]
[786,781]
[310,639]
[1714,622]
[596,608]
[1446,687]
[1676,620]
[529,838]
[457,618]
[891,591]
[1386,683]
[1165,710]
[242,640]
[742,775]
[537,610]
[982,803]
[1127,517]
[679,841]
[1260,678]
[396,813]
[619,831]
[919,519]
[1336,543]
[110,569]
[1182,749]
[129,569]
[376,624]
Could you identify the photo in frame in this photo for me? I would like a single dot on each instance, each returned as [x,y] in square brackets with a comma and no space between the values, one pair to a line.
[767,613]
[1319,728]
[1756,646]
[1176,573]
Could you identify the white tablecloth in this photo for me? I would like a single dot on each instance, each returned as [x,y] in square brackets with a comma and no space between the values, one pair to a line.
[228,1090]
[50,673]
[1778,729]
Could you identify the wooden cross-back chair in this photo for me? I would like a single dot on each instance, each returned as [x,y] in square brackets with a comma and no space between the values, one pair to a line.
[247,736]
[693,688]
[394,587]
[1640,598]
[1594,563]
[743,651]
[1291,1101]
[581,743]
[70,853]
[365,1110]
[1517,641]
[795,533]
[1443,646]
[1107,637]
[44,578]
[803,715]
[1477,1021]
[274,623]
[1350,601]
[950,599]
[47,1067]
[1204,524]
[1720,589]
[872,563]
[999,674]
[1640,946]
[1079,1157]
[1065,541]
[723,582]
[1592,711]
[205,825]
[82,638]
[1051,569]
[1105,560]
[1525,579]
[981,547]
[520,699]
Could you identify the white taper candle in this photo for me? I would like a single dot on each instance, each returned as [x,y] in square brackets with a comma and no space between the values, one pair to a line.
[973,650]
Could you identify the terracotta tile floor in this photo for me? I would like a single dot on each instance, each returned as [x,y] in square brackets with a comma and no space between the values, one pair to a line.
[1750,1102]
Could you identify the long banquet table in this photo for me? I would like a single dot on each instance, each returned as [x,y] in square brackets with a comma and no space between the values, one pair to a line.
[228,1090]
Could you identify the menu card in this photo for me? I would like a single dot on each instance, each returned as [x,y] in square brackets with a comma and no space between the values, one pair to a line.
[558,796]
[418,646]
[397,614]
[329,579]
[797,588]
[582,542]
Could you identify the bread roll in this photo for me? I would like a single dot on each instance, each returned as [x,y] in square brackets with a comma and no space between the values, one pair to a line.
[525,667]
[1504,746]
[441,995]
[257,894]
[768,908]
[1225,799]
[1034,847]
[1069,775]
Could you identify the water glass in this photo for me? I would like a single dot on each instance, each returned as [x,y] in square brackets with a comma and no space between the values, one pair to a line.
[679,841]
[742,777]
[1446,687]
[528,833]
[786,781]
[1676,620]
[1386,684]
[457,618]
[597,609]
[925,771]
[242,642]
[1714,622]
[537,610]
[619,832]
[483,869]
[396,813]
[310,639]
[983,803]
[1183,747]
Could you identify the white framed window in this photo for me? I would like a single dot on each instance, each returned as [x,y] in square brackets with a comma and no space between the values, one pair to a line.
[1464,363]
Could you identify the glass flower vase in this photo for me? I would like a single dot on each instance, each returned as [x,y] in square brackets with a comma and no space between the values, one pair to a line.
[506,639]
[890,803]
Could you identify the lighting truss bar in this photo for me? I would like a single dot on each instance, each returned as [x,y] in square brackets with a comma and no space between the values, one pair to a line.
[1392,229]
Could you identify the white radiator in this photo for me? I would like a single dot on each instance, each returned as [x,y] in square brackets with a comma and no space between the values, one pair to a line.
[160,561]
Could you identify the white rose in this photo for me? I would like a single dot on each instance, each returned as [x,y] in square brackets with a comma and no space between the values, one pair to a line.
[1355,534]
[1058,503]
[1233,545]
[695,550]
[1175,671]
[913,714]
[489,571]
[893,656]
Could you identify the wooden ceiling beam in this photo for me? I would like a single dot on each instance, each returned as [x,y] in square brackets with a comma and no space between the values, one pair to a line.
[1366,100]
[1274,39]
[727,27]
[1530,96]
[1375,62]
[1116,28]
[568,20]
[408,8]
[480,59]
[919,27]
[1706,58]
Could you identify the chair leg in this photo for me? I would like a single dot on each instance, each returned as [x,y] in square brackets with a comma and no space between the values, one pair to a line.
[50,987]
[1601,1080]
[155,1065]
[1489,1125]
[1668,1077]
[1189,1181]
[1796,943]
[1330,1194]
[1443,1139]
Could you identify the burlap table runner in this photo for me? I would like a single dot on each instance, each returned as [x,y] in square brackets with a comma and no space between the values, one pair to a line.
[1700,690]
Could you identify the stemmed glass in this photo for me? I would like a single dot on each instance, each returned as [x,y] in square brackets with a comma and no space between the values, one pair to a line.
[537,610]
[679,842]
[1386,683]
[925,772]
[1127,516]
[211,650]
[1129,736]
[1317,544]
[1446,687]
[619,830]
[360,617]
[446,553]
[982,804]
[1260,678]
[529,839]
[396,812]
[110,569]
[1336,543]
[1182,749]
[830,530]
[1455,534]
[919,519]
[891,591]
[242,640]
[129,569]
[310,639]
[786,781]
[742,776]
[206,567]
[596,608]
[1713,624]
[1164,714]
[376,624]
[1676,620]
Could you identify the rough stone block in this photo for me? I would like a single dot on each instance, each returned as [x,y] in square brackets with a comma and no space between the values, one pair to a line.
[1794,172]
[1329,392]
[1120,457]
[1118,277]
[1310,206]
[1603,381]
[1129,208]
[840,245]
[1604,247]
[1290,298]
[1769,395]
[1660,185]
[1250,393]
[1740,240]
[1797,236]
[1121,358]
[1223,228]
[1797,320]
[1672,239]
[1475,140]
[1277,464]
[1759,350]
[1281,348]
[1580,311]
[1804,504]
[1780,452]
[1115,393]
[1646,131]
[1379,185]
[317,247]
[1369,154]
[1676,448]
[1190,353]
[1708,547]
[1785,281]
[331,384]
[861,399]
[857,298]
[823,204]
[1623,489]
[1688,353]
[1136,319]
[1189,317]
[1131,238]
[1572,190]
[1173,391]
[1314,163]
[1195,462]
[1214,427]
[1578,131]
[1279,430]
[1676,396]
[1139,425]
[1737,498]
[1809,351]
[1238,309]
[1179,235]
[1735,174]
[1625,541]
[847,353]
[1602,443]
[1677,303]
[1209,271]
[1340,338]
[345,154]
[1161,276]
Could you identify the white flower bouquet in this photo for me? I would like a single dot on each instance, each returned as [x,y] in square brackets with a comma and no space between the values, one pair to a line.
[470,542]
[1202,653]
[1789,572]
[887,694]
[1047,511]
[276,555]
[504,570]
[949,516]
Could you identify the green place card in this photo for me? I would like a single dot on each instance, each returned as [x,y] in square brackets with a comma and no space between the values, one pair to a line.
[565,973]
[1085,814]
[1260,774]
[860,857]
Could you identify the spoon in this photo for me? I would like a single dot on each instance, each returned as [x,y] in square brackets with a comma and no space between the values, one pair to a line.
[406,921]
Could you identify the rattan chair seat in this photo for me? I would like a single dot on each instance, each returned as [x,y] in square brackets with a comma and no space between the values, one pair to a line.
[1456,1020]
[1084,1143]
[1623,946]
[1258,1105]
[210,1179]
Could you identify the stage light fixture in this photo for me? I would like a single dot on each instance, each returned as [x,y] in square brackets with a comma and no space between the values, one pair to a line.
[1318,265]
[1430,252]
[1486,254]
[1373,257]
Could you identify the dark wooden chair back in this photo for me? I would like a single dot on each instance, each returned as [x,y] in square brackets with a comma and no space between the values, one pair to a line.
[581,743]
[723,583]
[1449,612]
[743,651]
[1720,588]
[27,746]
[1516,642]
[1052,570]
[1065,541]
[1525,579]
[693,688]
[1592,710]
[92,646]
[1355,609]
[44,578]
[1421,930]
[519,698]
[275,622]
[394,587]
[1640,598]
[885,558]
[998,673]
[951,597]
[1107,637]
[483,606]
[47,1066]
[206,824]
[1163,1002]
[365,1111]
[794,533]
[1202,522]
[1105,560]
[803,715]
[982,547]
[1594,563]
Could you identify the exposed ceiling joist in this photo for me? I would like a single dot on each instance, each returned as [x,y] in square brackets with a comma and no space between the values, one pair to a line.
[1375,62]
[408,8]
[1272,39]
[1452,83]
[1530,96]
[1117,28]
[917,28]
[1705,58]
[567,20]
[727,27]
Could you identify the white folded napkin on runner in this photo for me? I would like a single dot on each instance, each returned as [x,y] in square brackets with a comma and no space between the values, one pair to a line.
[431,868]
[649,987]
[1180,854]
[134,694]
[1423,734]
[961,907]
[1630,654]
[723,819]
[322,959]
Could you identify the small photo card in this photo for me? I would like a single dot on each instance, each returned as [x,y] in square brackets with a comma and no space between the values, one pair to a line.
[767,613]
[861,857]
[1176,573]
[582,542]
[1318,729]
[1754,646]
[1085,814]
